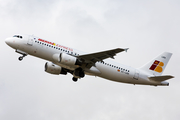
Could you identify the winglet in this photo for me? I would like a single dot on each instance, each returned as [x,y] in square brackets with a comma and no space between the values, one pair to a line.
[126,49]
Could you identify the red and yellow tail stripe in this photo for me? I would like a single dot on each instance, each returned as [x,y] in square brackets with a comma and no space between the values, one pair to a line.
[157,66]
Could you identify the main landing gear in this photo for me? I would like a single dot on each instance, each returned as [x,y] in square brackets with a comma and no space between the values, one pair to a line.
[74,79]
[78,73]
[21,57]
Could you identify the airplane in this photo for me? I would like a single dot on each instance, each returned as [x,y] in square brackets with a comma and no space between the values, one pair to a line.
[62,60]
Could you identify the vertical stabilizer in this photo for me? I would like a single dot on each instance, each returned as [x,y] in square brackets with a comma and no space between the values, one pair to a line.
[157,65]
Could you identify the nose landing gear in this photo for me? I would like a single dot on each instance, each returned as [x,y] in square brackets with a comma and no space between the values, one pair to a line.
[22,53]
[21,57]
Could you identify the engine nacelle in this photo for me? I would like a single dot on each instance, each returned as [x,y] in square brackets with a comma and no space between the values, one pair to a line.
[54,69]
[66,59]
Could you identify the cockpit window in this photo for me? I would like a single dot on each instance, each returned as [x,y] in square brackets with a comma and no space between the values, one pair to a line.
[18,36]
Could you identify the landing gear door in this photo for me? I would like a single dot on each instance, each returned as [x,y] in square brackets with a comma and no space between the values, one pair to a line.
[30,41]
[136,75]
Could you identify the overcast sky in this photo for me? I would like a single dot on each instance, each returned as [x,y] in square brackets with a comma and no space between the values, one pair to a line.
[148,28]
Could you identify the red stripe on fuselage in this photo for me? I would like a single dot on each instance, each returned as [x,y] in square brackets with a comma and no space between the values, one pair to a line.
[70,49]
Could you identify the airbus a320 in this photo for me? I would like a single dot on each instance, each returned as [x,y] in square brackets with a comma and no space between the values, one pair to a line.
[62,60]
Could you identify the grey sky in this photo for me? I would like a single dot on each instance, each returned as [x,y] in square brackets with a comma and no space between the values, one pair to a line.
[148,28]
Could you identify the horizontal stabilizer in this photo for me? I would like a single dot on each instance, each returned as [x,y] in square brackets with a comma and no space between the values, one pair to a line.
[161,78]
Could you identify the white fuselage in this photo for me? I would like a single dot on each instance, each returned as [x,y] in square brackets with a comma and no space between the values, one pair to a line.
[108,69]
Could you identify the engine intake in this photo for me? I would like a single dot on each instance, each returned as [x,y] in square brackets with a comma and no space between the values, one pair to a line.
[54,69]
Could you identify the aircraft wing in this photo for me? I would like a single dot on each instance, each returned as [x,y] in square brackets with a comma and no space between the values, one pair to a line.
[100,56]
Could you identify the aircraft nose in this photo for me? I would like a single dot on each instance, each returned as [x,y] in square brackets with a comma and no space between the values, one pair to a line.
[9,41]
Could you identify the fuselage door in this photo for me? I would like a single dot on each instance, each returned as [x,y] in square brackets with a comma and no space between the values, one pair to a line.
[30,41]
[136,75]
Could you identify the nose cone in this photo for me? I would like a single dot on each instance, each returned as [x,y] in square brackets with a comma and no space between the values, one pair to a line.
[9,42]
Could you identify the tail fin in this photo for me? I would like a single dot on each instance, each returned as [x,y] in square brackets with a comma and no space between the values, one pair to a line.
[157,65]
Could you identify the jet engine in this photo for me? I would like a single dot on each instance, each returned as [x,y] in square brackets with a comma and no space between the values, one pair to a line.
[66,59]
[54,69]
